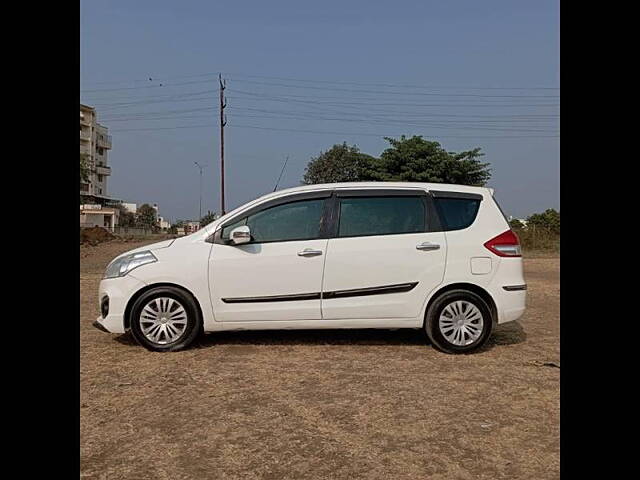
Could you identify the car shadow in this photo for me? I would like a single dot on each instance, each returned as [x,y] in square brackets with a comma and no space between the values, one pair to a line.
[316,337]
[126,339]
[508,334]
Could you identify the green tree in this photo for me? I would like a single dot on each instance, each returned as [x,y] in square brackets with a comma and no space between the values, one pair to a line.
[125,217]
[549,219]
[341,163]
[415,159]
[516,224]
[208,218]
[146,216]
[85,170]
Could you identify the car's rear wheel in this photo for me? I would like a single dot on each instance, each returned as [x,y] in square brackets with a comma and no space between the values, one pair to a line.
[165,319]
[458,321]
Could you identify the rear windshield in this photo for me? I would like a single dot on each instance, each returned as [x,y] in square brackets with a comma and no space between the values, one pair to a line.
[457,213]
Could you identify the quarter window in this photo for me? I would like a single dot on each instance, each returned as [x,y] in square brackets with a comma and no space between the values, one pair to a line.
[360,216]
[291,221]
[457,213]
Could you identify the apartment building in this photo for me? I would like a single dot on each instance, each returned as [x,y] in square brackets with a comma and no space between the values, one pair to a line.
[95,143]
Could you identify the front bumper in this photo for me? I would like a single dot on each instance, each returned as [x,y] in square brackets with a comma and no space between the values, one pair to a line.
[99,326]
[119,290]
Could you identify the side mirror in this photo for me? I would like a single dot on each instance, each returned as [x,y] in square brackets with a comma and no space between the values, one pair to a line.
[240,235]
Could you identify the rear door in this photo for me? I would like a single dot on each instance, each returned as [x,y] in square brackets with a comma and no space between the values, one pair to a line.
[384,257]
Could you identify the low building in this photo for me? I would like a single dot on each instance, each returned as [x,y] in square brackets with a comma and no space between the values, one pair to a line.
[163,224]
[190,227]
[99,216]
[130,207]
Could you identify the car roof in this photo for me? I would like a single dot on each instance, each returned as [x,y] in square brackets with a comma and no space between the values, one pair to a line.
[418,185]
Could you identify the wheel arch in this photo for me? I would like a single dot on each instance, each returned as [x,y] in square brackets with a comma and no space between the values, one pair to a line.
[478,290]
[146,288]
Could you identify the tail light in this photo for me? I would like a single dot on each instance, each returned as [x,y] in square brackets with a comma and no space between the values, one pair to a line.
[506,244]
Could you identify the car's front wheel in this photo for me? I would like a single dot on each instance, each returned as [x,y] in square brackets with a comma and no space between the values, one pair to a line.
[165,319]
[458,321]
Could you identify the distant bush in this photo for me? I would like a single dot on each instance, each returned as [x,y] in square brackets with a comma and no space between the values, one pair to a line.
[540,231]
[549,219]
[534,237]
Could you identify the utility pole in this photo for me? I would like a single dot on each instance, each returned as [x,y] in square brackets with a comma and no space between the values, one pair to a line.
[200,167]
[223,122]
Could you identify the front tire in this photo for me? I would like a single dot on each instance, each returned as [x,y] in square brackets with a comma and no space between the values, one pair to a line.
[458,321]
[165,319]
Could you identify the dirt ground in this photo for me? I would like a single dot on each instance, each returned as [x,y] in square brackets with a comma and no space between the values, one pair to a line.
[322,404]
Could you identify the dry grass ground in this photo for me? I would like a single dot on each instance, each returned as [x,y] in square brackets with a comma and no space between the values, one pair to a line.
[322,404]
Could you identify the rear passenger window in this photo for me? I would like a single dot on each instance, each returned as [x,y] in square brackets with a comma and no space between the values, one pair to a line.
[361,216]
[457,213]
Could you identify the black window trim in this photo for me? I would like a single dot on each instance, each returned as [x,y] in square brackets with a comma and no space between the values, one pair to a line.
[378,193]
[330,218]
[216,237]
[455,196]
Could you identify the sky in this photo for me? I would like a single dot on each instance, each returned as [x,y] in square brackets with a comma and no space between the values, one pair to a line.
[303,76]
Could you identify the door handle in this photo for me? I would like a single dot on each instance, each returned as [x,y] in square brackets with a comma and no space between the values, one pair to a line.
[428,246]
[309,252]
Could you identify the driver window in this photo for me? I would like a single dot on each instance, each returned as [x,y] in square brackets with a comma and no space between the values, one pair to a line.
[291,221]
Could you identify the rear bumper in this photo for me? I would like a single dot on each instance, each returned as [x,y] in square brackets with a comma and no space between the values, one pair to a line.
[511,304]
[509,290]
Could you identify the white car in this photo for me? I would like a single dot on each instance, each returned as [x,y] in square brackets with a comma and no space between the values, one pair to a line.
[426,256]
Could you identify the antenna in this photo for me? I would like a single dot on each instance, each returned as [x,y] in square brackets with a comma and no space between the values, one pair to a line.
[281,172]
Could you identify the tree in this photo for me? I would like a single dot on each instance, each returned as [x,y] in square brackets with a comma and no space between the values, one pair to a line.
[208,218]
[341,163]
[516,224]
[125,217]
[85,173]
[146,216]
[85,170]
[418,160]
[176,225]
[406,160]
[549,219]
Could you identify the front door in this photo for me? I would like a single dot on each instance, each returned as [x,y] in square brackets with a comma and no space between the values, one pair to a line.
[278,275]
[383,261]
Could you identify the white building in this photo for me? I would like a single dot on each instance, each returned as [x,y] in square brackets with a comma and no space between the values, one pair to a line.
[130,207]
[163,224]
[95,144]
[99,216]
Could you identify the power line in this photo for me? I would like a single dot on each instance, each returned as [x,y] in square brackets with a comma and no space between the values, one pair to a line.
[331,133]
[459,123]
[393,92]
[428,124]
[458,87]
[287,99]
[164,78]
[109,117]
[377,120]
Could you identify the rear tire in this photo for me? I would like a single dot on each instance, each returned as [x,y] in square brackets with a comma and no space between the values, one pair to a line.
[165,319]
[458,321]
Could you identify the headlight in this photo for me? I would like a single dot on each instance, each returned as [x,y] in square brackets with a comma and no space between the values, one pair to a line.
[123,265]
